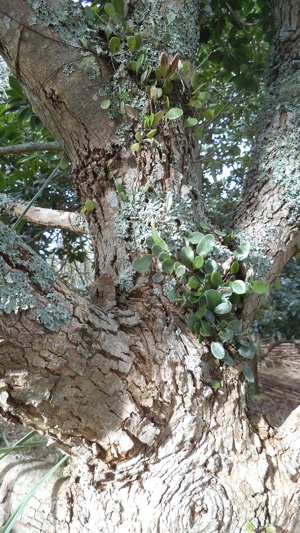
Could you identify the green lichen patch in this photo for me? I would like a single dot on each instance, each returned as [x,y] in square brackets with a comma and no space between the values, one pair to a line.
[53,316]
[43,275]
[66,19]
[6,202]
[141,209]
[14,290]
[21,257]
[89,65]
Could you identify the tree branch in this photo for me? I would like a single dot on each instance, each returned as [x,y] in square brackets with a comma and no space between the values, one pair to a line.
[53,91]
[51,218]
[30,147]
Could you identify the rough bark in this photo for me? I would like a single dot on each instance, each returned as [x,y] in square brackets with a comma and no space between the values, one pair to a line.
[121,385]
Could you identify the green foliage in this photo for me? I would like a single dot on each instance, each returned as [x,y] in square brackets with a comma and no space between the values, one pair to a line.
[248,526]
[207,290]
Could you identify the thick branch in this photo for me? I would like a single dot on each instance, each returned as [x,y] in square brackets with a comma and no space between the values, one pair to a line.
[29,147]
[51,218]
[66,76]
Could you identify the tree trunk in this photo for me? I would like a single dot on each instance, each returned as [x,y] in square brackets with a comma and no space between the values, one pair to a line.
[118,382]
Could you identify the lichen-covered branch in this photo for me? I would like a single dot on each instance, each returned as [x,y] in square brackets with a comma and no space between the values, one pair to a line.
[29,147]
[269,213]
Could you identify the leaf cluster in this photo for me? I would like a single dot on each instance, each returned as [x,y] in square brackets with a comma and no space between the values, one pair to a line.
[212,293]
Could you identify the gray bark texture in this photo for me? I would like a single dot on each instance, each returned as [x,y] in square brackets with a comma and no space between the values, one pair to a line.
[119,383]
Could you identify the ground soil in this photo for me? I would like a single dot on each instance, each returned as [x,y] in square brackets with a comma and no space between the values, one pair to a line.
[278,381]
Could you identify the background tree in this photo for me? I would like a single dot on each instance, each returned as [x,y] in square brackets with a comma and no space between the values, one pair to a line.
[120,383]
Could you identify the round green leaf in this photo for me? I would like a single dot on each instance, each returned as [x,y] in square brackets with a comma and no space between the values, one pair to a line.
[135,147]
[226,335]
[131,43]
[198,262]
[204,226]
[64,162]
[215,384]
[130,111]
[239,286]
[216,278]
[114,44]
[163,255]
[105,103]
[166,38]
[174,113]
[180,270]
[242,251]
[236,326]
[248,349]
[156,250]
[187,255]
[191,321]
[206,245]
[195,237]
[89,206]
[210,266]
[167,266]
[190,122]
[89,13]
[109,9]
[142,263]
[270,528]
[209,316]
[223,308]
[228,359]
[249,377]
[259,287]
[206,329]
[173,295]
[204,96]
[171,17]
[213,298]
[208,113]
[193,282]
[218,350]
[158,277]
[248,526]
[234,267]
